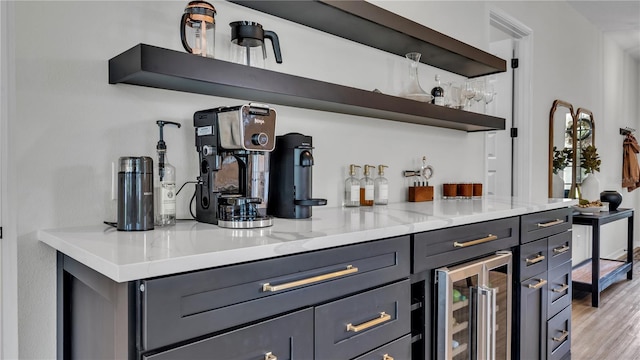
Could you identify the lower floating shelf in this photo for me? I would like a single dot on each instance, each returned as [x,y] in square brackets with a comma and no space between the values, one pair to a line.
[151,66]
[582,273]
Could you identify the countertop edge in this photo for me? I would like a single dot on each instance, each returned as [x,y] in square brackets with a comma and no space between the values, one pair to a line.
[198,261]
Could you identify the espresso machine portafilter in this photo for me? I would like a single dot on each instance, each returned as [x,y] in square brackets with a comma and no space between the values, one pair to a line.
[233,145]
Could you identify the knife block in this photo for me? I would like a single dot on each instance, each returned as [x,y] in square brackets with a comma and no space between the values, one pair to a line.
[420,193]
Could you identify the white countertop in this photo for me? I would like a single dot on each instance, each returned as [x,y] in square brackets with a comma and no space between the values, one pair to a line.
[190,245]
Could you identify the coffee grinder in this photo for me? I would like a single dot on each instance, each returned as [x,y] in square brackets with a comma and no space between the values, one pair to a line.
[233,144]
[291,178]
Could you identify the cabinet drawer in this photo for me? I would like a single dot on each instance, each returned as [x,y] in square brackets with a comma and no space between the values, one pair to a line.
[286,337]
[396,350]
[181,307]
[559,249]
[538,225]
[559,335]
[533,258]
[445,247]
[559,288]
[352,326]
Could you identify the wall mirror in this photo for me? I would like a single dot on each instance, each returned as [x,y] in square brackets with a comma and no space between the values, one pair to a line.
[569,132]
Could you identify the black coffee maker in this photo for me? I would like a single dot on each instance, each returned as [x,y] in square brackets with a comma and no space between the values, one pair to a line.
[233,145]
[290,178]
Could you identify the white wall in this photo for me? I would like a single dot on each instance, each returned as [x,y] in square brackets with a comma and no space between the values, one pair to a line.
[71,124]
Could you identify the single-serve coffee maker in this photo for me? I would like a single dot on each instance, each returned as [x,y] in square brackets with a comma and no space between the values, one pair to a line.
[291,178]
[233,144]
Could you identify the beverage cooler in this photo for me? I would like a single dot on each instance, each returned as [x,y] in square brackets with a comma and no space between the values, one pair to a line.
[474,309]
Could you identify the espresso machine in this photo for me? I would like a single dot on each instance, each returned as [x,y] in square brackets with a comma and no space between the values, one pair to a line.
[291,178]
[233,145]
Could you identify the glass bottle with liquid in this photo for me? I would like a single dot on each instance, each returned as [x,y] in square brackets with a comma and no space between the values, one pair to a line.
[352,188]
[367,187]
[438,93]
[381,187]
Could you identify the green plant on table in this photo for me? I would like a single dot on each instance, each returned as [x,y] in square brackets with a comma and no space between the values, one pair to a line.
[590,161]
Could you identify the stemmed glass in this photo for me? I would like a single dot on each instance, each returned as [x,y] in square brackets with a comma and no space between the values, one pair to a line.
[478,90]
[468,92]
[489,94]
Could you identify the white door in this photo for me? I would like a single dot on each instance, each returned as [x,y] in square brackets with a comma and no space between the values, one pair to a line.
[498,148]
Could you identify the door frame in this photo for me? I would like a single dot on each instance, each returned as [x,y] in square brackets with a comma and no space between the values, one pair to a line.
[522,95]
[8,220]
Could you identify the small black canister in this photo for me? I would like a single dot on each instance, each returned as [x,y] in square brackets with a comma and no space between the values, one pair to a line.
[135,194]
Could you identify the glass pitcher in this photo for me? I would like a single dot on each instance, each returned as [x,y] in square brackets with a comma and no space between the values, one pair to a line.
[197,29]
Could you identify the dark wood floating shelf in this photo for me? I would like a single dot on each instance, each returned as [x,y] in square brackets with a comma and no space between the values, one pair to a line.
[156,67]
[367,24]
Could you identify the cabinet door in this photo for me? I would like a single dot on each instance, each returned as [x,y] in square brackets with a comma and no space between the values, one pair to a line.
[559,288]
[559,335]
[288,337]
[542,224]
[395,350]
[559,249]
[533,258]
[181,307]
[354,325]
[533,318]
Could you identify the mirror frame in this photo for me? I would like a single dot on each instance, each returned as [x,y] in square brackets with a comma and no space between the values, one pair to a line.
[574,143]
[554,107]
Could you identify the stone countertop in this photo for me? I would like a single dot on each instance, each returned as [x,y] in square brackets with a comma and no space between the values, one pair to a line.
[190,245]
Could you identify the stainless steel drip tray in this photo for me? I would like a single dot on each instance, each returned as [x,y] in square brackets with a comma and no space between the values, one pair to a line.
[246,224]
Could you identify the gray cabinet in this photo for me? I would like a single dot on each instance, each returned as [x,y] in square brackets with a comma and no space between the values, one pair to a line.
[341,302]
[544,292]
[444,248]
[286,337]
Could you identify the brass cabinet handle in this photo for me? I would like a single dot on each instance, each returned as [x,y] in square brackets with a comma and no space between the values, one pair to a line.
[270,356]
[561,288]
[386,357]
[540,283]
[562,338]
[364,326]
[562,249]
[475,242]
[349,270]
[536,259]
[550,223]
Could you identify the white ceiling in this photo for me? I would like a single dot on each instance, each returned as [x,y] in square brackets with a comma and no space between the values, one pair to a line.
[619,20]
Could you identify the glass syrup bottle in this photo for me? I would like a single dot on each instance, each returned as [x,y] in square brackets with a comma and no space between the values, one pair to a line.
[367,187]
[381,187]
[352,188]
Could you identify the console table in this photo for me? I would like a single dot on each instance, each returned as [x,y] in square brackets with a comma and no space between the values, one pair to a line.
[596,274]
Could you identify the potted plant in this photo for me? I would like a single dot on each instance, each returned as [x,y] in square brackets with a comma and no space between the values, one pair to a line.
[590,162]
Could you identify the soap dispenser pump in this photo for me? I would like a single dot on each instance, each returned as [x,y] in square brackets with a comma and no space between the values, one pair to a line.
[381,187]
[352,188]
[366,187]
[164,182]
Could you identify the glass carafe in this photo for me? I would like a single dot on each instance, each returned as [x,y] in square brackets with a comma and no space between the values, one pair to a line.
[412,89]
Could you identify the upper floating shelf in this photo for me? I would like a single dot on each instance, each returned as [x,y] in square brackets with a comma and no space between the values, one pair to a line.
[373,26]
[156,67]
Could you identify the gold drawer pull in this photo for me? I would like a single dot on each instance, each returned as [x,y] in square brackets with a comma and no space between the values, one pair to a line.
[562,249]
[540,284]
[551,223]
[349,270]
[561,288]
[386,357]
[535,260]
[563,337]
[475,242]
[364,326]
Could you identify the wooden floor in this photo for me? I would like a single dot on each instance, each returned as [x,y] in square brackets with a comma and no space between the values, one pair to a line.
[611,331]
